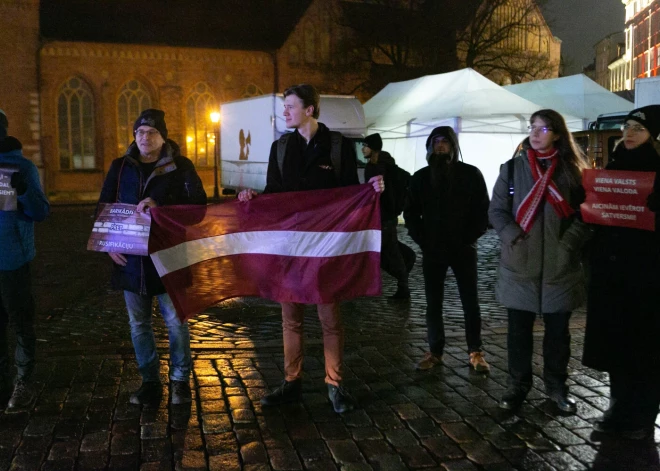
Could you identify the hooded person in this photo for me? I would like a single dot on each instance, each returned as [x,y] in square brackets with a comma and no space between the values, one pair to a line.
[623,313]
[392,200]
[447,212]
[22,202]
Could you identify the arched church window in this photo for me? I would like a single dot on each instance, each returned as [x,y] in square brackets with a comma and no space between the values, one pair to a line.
[252,90]
[75,125]
[200,135]
[133,98]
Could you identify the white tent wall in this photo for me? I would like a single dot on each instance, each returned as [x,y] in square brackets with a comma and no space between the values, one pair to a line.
[486,151]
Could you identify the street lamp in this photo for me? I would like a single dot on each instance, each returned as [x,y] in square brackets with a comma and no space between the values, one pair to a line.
[215,119]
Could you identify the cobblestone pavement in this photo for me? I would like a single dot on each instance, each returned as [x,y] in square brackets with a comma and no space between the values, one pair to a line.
[446,418]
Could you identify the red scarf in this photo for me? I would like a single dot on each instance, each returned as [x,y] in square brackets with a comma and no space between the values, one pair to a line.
[544,188]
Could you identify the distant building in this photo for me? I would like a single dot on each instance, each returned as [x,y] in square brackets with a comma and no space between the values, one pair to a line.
[642,37]
[607,51]
[75,78]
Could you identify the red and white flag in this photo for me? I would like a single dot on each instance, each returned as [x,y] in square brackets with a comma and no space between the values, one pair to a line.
[309,247]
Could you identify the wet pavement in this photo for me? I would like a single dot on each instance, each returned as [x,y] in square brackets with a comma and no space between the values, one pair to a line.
[446,418]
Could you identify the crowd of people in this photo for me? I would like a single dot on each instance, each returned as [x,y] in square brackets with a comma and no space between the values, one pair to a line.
[551,260]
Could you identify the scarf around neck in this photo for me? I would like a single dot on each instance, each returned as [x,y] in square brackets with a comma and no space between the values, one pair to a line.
[544,188]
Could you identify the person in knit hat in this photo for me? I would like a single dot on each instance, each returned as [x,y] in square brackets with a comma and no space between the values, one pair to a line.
[446,214]
[623,299]
[392,201]
[22,202]
[152,173]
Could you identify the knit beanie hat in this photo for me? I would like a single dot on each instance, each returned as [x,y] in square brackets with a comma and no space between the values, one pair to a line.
[4,124]
[374,142]
[153,118]
[649,117]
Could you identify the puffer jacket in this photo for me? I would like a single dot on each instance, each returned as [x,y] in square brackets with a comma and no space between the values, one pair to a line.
[542,273]
[17,227]
[173,181]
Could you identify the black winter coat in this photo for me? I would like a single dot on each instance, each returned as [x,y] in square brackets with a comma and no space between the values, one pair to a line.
[387,168]
[308,166]
[173,181]
[623,293]
[451,215]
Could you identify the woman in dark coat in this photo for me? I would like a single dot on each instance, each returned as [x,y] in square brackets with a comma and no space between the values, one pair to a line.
[623,306]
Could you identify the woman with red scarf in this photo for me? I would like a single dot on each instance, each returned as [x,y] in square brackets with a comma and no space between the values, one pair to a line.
[540,273]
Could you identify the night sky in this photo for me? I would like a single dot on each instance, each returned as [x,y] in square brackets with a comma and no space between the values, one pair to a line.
[582,23]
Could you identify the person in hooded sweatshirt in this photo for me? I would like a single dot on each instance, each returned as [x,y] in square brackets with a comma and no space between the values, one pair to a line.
[22,202]
[391,257]
[541,240]
[447,212]
[623,295]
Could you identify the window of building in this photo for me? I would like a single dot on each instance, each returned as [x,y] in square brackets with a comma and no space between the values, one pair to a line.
[294,54]
[75,125]
[132,100]
[310,44]
[200,132]
[252,90]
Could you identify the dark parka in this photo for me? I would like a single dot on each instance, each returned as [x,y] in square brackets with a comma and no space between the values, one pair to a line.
[452,215]
[623,305]
[387,168]
[173,181]
[542,273]
[308,166]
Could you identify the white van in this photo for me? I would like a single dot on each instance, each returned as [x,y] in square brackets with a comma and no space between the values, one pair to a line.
[249,127]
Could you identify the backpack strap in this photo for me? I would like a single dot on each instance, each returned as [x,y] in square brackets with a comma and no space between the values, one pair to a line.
[281,150]
[335,152]
[510,170]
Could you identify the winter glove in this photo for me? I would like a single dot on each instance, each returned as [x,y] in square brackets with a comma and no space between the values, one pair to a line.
[653,202]
[18,182]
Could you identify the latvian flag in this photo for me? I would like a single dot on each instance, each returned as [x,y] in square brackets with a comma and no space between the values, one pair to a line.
[309,247]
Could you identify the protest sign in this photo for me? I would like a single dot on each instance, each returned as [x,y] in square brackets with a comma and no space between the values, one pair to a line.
[119,228]
[8,201]
[618,198]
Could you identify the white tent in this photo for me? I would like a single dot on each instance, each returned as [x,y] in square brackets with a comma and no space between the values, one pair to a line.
[576,95]
[490,121]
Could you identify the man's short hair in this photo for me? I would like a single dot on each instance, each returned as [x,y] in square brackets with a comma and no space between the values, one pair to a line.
[309,96]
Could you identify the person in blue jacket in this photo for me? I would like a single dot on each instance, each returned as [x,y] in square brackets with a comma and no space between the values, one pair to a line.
[22,201]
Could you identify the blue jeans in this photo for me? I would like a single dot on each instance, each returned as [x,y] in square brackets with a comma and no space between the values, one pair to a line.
[144,343]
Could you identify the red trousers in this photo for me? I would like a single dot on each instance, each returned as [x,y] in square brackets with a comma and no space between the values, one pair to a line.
[293,318]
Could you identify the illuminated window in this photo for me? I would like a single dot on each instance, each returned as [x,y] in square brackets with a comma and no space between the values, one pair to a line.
[75,123]
[200,134]
[132,100]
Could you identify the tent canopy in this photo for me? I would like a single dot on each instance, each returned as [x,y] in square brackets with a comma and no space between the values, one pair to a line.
[575,95]
[465,99]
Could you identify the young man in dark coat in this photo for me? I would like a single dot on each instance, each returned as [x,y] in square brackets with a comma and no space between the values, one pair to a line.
[152,173]
[447,212]
[22,202]
[308,165]
[391,258]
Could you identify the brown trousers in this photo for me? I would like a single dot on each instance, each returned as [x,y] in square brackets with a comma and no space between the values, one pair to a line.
[293,317]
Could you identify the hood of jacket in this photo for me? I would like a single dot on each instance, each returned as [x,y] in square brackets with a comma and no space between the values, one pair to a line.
[9,144]
[385,159]
[448,133]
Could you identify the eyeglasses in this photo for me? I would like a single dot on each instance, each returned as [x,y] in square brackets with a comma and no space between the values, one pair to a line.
[541,129]
[149,133]
[632,128]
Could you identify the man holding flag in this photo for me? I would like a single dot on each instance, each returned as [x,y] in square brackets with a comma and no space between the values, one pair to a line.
[310,158]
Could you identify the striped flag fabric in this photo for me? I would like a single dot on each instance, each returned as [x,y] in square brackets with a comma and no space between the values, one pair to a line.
[310,247]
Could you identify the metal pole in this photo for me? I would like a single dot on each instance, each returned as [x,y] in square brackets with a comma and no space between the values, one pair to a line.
[216,156]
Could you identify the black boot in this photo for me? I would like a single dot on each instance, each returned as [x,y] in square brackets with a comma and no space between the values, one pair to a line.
[402,294]
[289,391]
[512,398]
[150,393]
[564,403]
[340,398]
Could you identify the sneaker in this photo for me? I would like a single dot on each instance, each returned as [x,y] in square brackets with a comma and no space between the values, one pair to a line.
[341,400]
[402,294]
[564,403]
[512,399]
[181,392]
[289,391]
[478,362]
[149,393]
[22,395]
[429,361]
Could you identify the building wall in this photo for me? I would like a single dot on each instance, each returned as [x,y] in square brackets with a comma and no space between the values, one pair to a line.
[19,98]
[642,38]
[607,50]
[169,75]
